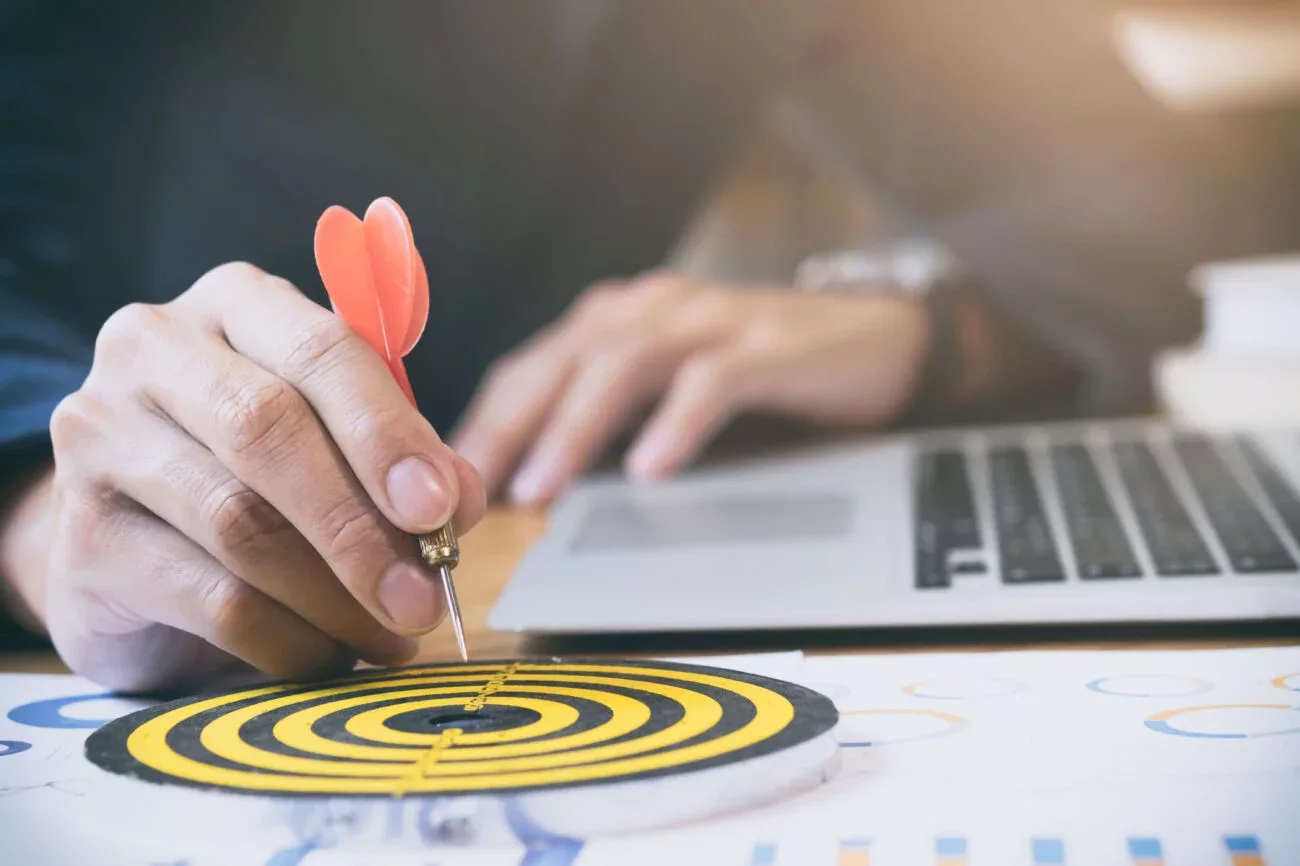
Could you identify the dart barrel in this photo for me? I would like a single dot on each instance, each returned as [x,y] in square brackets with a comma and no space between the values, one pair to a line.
[440,547]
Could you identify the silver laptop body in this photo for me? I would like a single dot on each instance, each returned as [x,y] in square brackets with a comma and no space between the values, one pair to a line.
[1082,523]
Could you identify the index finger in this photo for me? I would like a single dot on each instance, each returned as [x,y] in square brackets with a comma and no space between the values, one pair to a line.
[395,453]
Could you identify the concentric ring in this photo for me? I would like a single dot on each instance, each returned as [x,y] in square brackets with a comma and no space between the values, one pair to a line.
[1184,685]
[952,724]
[964,688]
[464,728]
[1162,722]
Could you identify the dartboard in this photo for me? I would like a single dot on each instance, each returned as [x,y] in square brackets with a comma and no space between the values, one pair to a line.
[492,727]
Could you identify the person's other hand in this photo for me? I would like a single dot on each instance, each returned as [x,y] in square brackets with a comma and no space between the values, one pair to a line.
[704,353]
[239,477]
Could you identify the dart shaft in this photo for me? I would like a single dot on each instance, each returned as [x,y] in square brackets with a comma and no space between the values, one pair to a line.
[453,607]
[441,550]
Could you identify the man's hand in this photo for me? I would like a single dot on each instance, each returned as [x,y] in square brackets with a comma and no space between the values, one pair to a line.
[703,353]
[238,477]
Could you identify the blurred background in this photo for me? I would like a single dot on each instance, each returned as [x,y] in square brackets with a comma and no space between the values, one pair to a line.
[1227,72]
[1116,183]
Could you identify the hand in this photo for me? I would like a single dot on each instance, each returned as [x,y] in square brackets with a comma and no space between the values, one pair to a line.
[704,353]
[239,477]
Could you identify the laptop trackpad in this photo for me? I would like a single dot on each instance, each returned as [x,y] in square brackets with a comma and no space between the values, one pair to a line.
[712,520]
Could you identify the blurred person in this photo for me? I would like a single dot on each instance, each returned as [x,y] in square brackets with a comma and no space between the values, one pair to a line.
[233,472]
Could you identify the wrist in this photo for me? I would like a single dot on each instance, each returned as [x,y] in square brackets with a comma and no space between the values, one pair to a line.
[25,533]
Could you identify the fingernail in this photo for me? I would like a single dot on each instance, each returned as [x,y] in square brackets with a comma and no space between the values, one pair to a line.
[531,483]
[418,493]
[410,598]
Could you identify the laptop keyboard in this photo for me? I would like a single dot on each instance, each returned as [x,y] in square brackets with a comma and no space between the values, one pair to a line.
[1101,548]
[1171,508]
[1024,535]
[945,520]
[1250,543]
[1285,501]
[1175,544]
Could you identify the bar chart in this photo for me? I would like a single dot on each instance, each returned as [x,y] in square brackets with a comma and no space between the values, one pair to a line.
[1145,851]
[1236,850]
[855,852]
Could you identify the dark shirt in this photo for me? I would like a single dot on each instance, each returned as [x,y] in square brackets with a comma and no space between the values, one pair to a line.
[539,146]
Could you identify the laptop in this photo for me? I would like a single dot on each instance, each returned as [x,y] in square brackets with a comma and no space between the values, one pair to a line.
[1114,522]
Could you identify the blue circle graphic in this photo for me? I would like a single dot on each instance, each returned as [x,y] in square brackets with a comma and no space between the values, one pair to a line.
[1003,687]
[1160,722]
[1198,686]
[49,712]
[13,747]
[952,724]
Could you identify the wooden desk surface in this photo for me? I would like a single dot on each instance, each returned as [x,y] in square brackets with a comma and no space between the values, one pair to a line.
[490,552]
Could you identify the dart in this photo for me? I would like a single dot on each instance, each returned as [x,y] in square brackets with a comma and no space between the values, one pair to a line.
[377,283]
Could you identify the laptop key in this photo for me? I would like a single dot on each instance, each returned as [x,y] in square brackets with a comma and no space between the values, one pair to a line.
[956,503]
[1025,540]
[931,556]
[1283,496]
[1101,547]
[1249,541]
[1176,547]
[945,516]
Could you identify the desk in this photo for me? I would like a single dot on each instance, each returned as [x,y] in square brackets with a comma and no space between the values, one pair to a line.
[490,552]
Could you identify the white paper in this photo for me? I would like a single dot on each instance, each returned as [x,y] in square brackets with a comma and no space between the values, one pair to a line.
[1012,757]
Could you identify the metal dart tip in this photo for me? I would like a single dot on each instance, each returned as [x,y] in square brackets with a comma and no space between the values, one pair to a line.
[453,608]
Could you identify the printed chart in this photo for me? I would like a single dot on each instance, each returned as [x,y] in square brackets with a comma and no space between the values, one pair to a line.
[994,759]
[1039,851]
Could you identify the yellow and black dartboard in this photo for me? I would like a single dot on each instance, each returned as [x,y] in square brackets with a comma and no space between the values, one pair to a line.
[493,727]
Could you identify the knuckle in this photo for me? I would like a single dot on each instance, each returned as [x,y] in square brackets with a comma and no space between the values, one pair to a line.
[764,336]
[231,609]
[241,519]
[620,359]
[220,277]
[597,298]
[218,282]
[88,520]
[712,306]
[254,417]
[72,423]
[79,519]
[711,375]
[350,531]
[274,282]
[602,291]
[236,270]
[380,431]
[316,346]
[662,285]
[124,330]
[505,371]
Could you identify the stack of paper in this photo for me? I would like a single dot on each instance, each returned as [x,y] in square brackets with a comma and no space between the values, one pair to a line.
[1246,370]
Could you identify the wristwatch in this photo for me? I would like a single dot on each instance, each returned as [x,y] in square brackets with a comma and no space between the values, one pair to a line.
[908,267]
[915,268]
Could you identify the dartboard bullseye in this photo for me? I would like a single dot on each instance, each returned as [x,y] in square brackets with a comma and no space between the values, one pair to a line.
[464,728]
